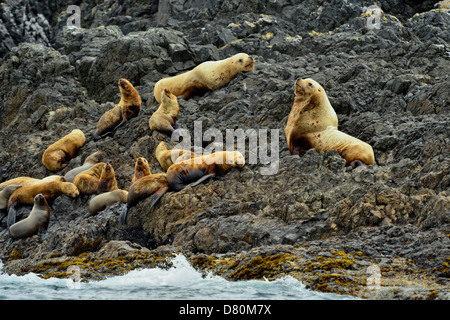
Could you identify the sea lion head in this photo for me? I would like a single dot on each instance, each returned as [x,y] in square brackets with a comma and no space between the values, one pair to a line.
[244,62]
[70,189]
[161,147]
[125,86]
[305,88]
[95,157]
[108,171]
[141,161]
[168,98]
[40,200]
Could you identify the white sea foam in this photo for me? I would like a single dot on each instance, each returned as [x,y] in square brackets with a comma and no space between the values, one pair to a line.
[181,281]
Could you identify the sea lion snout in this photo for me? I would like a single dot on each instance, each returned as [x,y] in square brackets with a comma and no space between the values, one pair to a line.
[123,83]
[39,199]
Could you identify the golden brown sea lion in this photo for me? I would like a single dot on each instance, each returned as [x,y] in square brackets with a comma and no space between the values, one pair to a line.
[165,117]
[101,201]
[154,185]
[207,76]
[28,181]
[127,108]
[50,190]
[36,222]
[107,181]
[198,169]
[57,155]
[168,157]
[141,169]
[312,123]
[87,181]
[92,159]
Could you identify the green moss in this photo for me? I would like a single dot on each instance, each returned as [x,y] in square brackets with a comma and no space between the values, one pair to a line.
[85,246]
[93,268]
[340,260]
[15,255]
[268,266]
[335,283]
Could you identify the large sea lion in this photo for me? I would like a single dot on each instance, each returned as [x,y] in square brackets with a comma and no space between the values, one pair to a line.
[92,159]
[141,169]
[165,117]
[312,123]
[101,201]
[167,157]
[207,76]
[57,155]
[50,190]
[107,181]
[198,169]
[28,181]
[87,181]
[36,222]
[154,185]
[127,108]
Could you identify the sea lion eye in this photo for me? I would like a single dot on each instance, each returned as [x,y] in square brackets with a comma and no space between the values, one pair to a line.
[240,60]
[310,84]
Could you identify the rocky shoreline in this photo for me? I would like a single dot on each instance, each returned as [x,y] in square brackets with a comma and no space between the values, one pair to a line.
[333,228]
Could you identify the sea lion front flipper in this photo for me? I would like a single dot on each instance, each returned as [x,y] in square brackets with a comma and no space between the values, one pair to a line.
[12,213]
[156,196]
[211,175]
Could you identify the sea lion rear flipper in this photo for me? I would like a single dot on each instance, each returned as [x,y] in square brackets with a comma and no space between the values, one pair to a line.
[123,214]
[156,196]
[211,175]
[12,212]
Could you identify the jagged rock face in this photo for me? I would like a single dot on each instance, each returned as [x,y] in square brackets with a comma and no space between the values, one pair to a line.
[389,86]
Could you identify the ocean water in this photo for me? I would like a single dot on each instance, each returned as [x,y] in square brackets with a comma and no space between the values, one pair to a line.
[181,282]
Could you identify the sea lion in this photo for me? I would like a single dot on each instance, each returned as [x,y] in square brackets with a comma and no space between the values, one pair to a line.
[57,155]
[6,193]
[28,181]
[87,181]
[168,157]
[198,169]
[107,181]
[101,201]
[165,117]
[207,76]
[127,108]
[36,222]
[50,190]
[141,169]
[154,185]
[92,159]
[312,123]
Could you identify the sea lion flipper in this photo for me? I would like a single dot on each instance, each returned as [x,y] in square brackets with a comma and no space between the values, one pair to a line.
[12,213]
[156,196]
[205,177]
